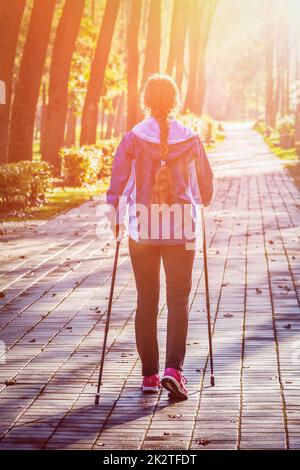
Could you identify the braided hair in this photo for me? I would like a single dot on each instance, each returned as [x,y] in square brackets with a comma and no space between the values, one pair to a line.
[161,96]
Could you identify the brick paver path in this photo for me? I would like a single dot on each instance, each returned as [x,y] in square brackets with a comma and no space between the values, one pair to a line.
[56,278]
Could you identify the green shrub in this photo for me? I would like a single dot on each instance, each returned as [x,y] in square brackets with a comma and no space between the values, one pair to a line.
[23,184]
[297,145]
[286,124]
[87,164]
[209,129]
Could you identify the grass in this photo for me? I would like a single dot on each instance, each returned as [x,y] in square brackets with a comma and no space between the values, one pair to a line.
[288,156]
[291,161]
[59,200]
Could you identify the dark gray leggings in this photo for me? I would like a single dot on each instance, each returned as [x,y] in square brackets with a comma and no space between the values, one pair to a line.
[178,265]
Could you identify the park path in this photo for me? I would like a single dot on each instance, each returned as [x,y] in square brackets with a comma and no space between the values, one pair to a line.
[55,278]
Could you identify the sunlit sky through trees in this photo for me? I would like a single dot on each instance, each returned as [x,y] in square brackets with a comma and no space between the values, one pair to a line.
[235,57]
[236,54]
[231,59]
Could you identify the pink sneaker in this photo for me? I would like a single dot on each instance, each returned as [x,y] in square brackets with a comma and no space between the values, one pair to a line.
[151,384]
[174,382]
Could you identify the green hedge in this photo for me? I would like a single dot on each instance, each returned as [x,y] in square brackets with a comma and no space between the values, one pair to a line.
[87,164]
[23,184]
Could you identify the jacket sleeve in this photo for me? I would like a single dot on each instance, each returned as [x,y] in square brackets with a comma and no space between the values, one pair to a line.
[120,176]
[204,174]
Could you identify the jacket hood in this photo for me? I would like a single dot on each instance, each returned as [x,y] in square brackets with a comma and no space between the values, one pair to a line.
[148,130]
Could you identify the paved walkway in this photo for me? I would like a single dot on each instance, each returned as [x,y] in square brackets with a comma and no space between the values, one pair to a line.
[56,278]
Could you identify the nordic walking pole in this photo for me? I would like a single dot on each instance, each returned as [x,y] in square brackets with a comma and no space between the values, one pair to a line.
[212,377]
[112,286]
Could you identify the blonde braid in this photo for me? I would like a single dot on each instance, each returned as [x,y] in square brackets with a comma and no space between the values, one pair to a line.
[163,188]
[161,97]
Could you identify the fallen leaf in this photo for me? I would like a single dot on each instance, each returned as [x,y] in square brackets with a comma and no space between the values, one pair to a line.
[2,294]
[258,291]
[228,315]
[166,433]
[288,326]
[175,416]
[32,340]
[10,382]
[203,442]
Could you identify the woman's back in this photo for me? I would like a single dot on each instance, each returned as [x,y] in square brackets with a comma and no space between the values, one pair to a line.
[137,161]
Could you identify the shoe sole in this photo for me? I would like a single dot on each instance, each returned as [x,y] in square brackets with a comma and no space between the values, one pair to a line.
[171,384]
[150,389]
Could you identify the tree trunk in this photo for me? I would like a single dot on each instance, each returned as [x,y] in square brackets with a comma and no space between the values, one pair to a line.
[10,20]
[93,9]
[57,108]
[194,44]
[181,40]
[297,76]
[133,63]
[70,138]
[90,108]
[283,71]
[109,127]
[43,117]
[29,81]
[207,11]
[287,70]
[201,86]
[119,115]
[173,37]
[152,52]
[269,68]
[278,79]
[102,120]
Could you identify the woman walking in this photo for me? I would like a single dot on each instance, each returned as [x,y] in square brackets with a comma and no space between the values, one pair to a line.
[161,172]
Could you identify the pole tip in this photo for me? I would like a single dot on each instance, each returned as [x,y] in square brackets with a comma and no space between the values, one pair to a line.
[212,380]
